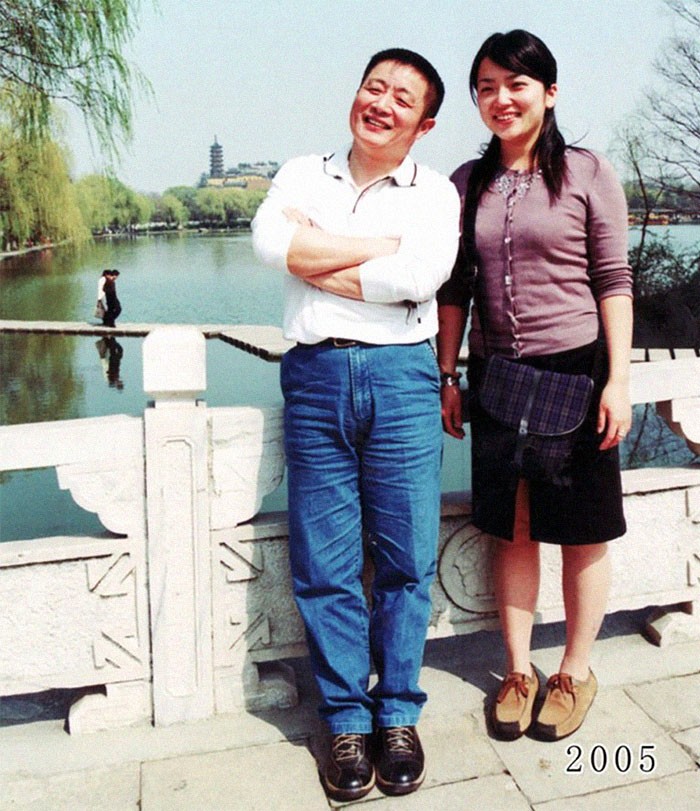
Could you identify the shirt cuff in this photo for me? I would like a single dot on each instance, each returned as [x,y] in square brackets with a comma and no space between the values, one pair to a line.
[377,283]
[271,242]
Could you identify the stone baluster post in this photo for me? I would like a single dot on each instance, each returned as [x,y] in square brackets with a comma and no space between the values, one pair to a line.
[179,558]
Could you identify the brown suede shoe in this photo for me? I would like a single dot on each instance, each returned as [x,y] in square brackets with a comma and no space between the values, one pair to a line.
[511,712]
[565,706]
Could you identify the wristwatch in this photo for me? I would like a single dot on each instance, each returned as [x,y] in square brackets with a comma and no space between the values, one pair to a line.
[449,379]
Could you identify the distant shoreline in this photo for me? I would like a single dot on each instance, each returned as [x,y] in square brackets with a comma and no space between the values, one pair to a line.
[212,230]
[126,235]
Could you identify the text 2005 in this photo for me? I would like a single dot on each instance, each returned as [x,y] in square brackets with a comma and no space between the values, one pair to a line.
[623,759]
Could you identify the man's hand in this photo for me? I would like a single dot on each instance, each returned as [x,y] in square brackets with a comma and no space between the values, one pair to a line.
[451,399]
[345,282]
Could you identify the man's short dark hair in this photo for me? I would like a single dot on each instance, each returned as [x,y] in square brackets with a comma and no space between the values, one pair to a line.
[436,89]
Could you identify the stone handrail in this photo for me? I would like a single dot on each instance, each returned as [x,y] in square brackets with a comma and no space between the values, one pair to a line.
[183,607]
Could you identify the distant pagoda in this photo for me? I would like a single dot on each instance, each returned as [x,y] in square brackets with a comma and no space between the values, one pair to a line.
[216,159]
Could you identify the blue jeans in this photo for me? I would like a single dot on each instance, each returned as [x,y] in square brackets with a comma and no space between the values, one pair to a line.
[363,440]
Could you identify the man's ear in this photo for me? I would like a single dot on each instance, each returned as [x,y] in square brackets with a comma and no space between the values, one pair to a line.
[424,127]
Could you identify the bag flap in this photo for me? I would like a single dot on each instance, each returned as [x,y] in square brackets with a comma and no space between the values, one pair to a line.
[558,407]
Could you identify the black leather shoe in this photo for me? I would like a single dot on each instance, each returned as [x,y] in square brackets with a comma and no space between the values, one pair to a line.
[399,760]
[349,773]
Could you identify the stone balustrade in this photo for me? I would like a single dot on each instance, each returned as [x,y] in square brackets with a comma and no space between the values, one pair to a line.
[183,607]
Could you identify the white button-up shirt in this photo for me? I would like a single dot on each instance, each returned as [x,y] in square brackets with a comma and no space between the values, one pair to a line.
[414,203]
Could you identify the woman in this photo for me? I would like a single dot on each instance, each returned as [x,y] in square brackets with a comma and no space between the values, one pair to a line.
[107,295]
[550,245]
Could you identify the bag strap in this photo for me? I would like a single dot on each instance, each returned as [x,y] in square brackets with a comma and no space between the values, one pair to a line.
[524,426]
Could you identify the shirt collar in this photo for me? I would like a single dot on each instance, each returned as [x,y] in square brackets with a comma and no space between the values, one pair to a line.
[336,164]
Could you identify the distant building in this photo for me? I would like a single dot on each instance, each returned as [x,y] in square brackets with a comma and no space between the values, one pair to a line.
[216,160]
[245,175]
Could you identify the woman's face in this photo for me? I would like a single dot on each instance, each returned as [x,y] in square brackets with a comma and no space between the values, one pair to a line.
[512,105]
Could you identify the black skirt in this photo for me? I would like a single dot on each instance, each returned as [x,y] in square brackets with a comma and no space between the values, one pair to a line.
[589,509]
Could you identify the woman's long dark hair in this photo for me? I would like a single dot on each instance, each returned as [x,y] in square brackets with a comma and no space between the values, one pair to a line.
[525,54]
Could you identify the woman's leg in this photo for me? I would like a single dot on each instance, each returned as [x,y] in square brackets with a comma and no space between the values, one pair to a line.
[586,585]
[570,693]
[516,570]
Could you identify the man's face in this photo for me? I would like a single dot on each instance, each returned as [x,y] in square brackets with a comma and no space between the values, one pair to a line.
[387,114]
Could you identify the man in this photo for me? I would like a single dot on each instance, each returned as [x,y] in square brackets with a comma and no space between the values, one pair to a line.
[366,237]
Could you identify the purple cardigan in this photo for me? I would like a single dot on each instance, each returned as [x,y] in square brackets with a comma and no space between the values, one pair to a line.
[546,269]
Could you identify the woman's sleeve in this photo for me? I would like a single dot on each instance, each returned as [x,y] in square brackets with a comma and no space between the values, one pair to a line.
[457,290]
[609,266]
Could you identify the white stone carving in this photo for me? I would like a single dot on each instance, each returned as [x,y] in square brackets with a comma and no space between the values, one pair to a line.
[222,615]
[179,558]
[179,563]
[116,649]
[73,614]
[247,461]
[683,417]
[115,491]
[464,571]
[255,619]
[175,364]
[693,501]
[237,558]
[108,577]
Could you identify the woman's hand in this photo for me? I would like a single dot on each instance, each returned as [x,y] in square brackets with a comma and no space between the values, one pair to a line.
[614,414]
[451,400]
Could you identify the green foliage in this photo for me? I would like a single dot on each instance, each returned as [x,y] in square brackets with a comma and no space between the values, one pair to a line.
[217,207]
[37,200]
[187,196]
[661,267]
[210,203]
[70,50]
[106,203]
[667,295]
[169,209]
[95,201]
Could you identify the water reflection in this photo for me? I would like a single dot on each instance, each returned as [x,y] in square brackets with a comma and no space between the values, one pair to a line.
[110,352]
[41,378]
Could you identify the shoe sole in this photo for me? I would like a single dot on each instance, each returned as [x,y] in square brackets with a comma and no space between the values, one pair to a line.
[548,732]
[510,731]
[345,795]
[399,789]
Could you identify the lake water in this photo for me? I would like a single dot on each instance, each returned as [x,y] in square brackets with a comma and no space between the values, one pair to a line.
[190,279]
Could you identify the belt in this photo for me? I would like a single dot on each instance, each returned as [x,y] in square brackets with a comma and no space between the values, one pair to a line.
[336,343]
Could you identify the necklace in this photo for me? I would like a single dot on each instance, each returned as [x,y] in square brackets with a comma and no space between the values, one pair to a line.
[509,182]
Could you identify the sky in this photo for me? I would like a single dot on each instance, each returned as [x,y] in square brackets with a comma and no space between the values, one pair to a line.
[273,79]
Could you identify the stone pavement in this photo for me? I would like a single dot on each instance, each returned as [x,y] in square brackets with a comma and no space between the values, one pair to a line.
[639,748]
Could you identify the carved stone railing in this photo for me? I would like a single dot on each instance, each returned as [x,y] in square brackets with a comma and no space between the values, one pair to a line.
[184,609]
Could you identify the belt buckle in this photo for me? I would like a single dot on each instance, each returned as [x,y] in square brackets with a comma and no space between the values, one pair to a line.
[343,343]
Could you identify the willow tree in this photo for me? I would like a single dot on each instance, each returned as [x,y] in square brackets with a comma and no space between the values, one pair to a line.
[70,50]
[106,202]
[37,199]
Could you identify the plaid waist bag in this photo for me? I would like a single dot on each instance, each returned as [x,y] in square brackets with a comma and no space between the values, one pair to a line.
[544,409]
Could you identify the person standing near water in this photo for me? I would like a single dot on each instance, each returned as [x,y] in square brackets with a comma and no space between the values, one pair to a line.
[546,228]
[107,296]
[366,237]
